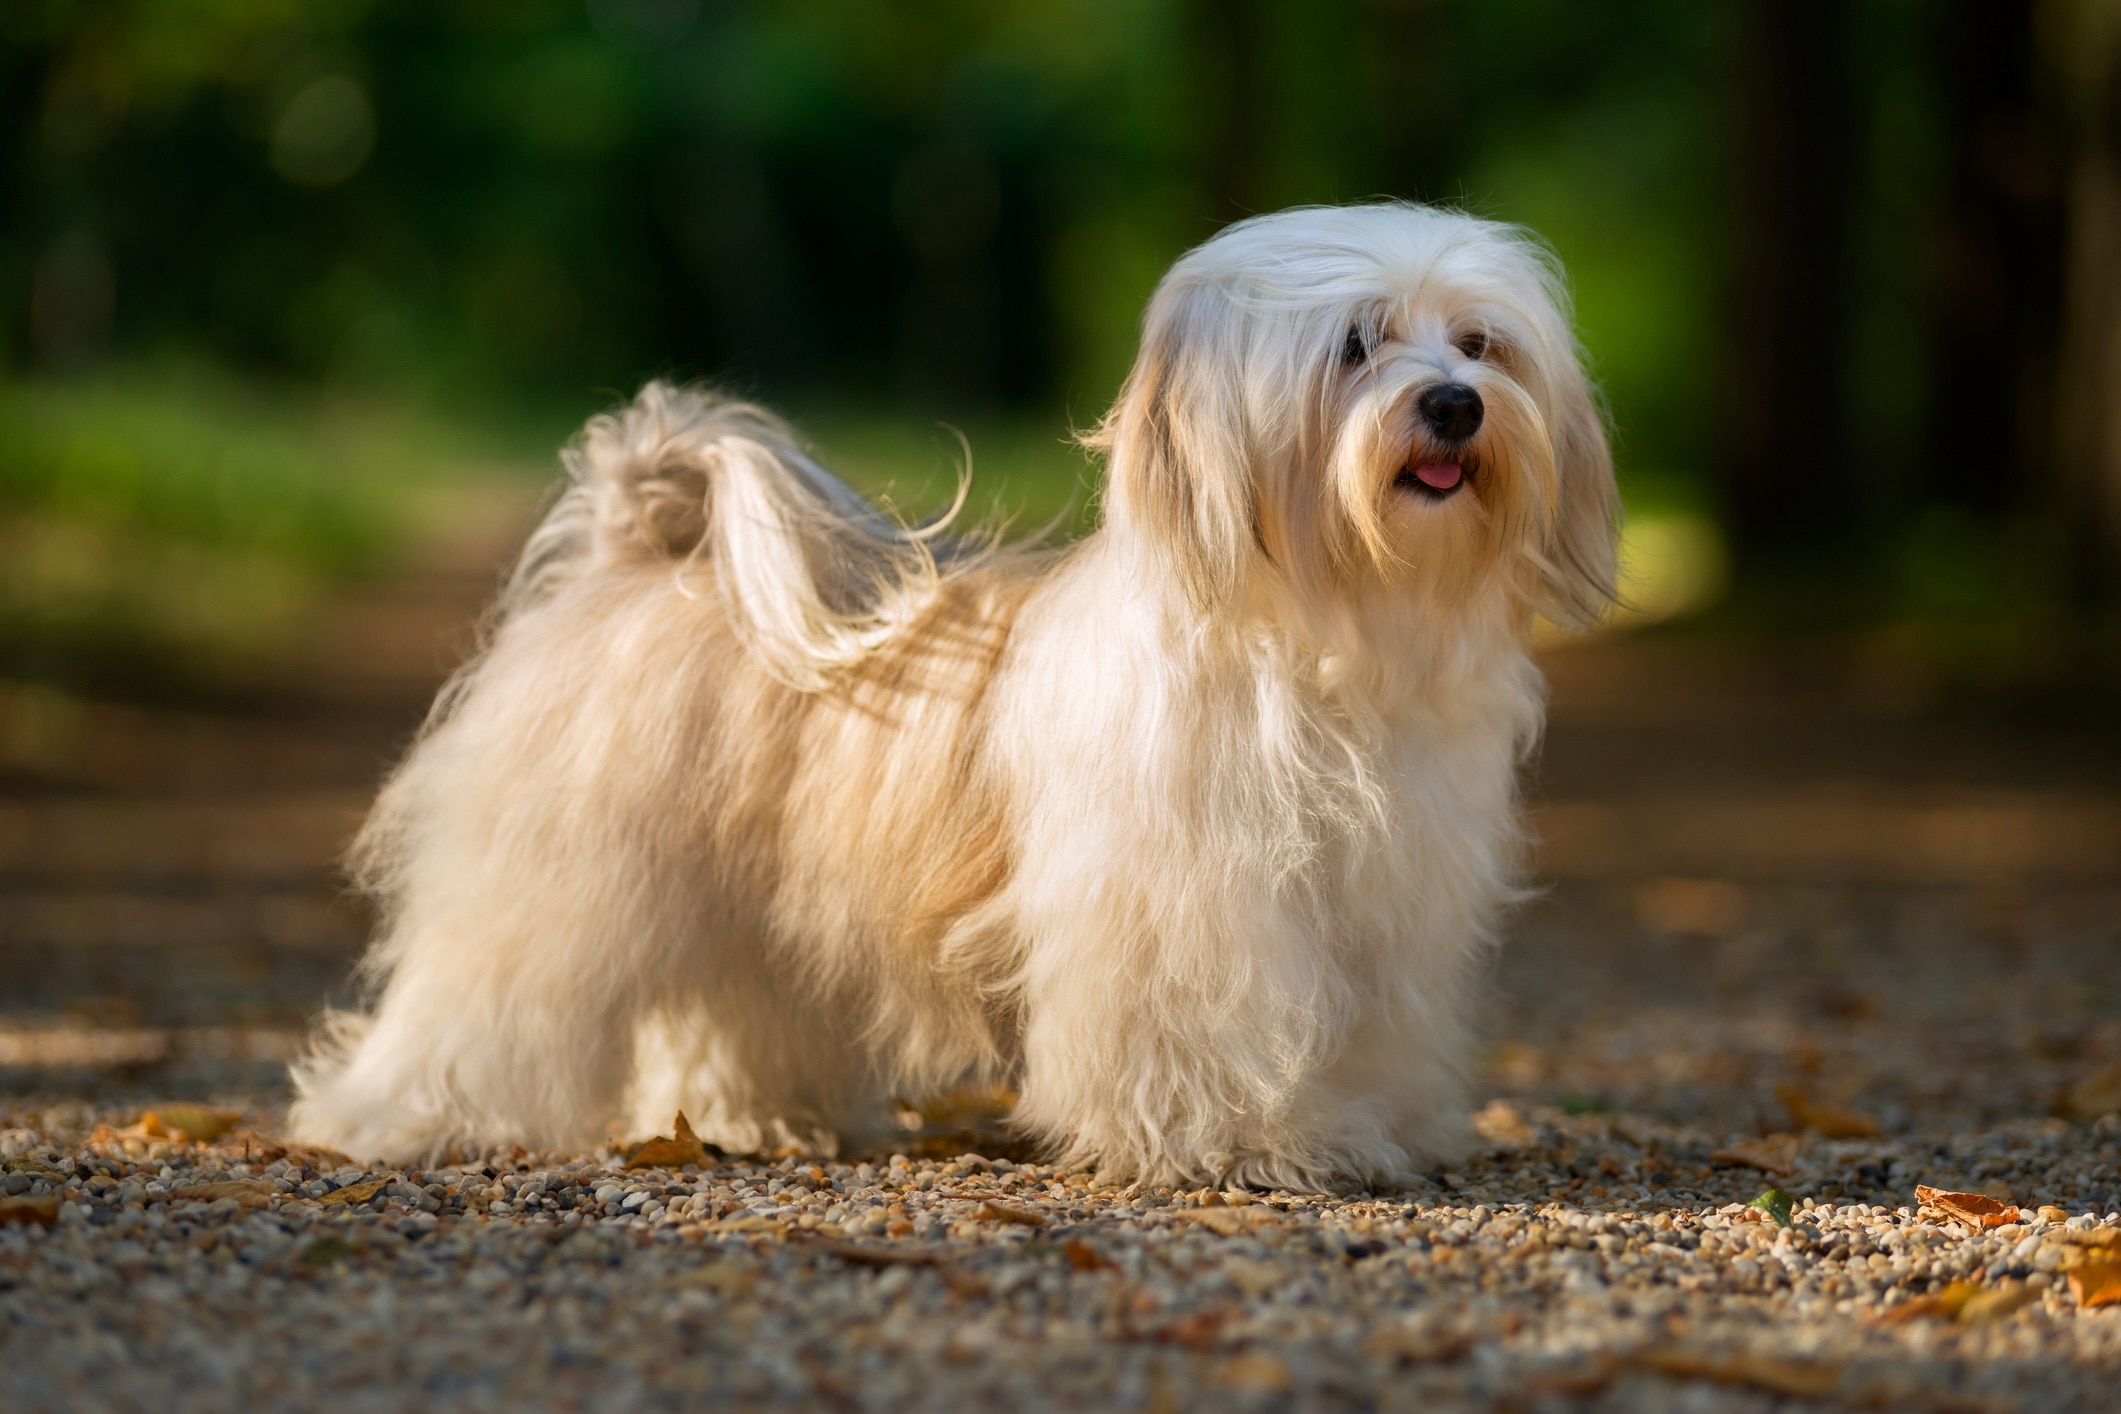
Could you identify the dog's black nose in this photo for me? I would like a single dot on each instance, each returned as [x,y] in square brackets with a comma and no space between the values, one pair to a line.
[1452,409]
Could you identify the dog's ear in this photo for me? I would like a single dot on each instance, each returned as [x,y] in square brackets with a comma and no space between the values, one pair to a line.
[1580,550]
[1177,471]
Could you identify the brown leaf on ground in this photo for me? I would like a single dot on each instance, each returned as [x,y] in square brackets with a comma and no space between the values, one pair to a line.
[1083,1257]
[187,1123]
[1942,1305]
[672,1153]
[2095,1095]
[355,1192]
[1771,1153]
[1976,1210]
[2095,1238]
[265,1149]
[250,1192]
[2096,1282]
[1503,1125]
[996,1212]
[1230,1222]
[1700,908]
[1799,1379]
[33,1212]
[1994,1305]
[1832,1121]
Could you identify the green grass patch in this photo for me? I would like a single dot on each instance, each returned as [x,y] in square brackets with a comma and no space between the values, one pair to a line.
[183,516]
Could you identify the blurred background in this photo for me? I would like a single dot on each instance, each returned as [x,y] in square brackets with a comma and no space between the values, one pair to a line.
[272,271]
[299,297]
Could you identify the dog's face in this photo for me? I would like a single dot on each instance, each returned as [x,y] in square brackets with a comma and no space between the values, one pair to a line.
[1336,399]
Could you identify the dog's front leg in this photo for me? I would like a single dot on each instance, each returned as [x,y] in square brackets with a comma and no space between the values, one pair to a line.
[1204,1054]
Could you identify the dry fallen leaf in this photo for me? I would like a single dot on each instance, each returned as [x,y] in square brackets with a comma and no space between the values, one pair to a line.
[1771,1153]
[2095,1095]
[1799,1379]
[355,1192]
[250,1192]
[1943,1305]
[1230,1222]
[1082,1256]
[1832,1121]
[36,1212]
[1503,1125]
[1998,1303]
[184,1122]
[264,1149]
[1976,1210]
[2096,1283]
[2095,1238]
[1702,908]
[673,1153]
[993,1212]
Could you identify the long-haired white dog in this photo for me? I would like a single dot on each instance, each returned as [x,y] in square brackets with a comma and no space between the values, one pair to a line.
[760,805]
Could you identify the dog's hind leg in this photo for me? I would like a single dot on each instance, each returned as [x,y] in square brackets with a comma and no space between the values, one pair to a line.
[473,1043]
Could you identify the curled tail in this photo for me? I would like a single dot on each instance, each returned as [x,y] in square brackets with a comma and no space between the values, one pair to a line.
[813,575]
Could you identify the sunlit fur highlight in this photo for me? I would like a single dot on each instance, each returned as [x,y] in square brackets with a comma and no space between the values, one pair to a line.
[759,805]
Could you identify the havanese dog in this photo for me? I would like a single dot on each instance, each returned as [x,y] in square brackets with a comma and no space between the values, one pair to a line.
[761,805]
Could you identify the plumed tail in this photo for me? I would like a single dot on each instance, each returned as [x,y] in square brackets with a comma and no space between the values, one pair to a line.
[814,576]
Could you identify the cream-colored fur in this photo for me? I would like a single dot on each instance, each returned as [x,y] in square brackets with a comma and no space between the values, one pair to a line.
[760,805]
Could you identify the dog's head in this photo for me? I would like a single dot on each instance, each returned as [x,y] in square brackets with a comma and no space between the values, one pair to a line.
[1330,399]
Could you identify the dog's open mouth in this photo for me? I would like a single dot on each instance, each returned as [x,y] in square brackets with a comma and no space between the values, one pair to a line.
[1435,480]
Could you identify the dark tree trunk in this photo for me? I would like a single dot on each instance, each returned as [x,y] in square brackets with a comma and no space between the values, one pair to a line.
[1227,33]
[2088,404]
[1785,461]
[1997,298]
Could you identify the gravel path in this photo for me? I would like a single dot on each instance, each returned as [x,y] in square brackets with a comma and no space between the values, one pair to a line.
[1595,1252]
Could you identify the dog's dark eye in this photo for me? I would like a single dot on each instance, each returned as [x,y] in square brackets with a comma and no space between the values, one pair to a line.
[1474,345]
[1354,350]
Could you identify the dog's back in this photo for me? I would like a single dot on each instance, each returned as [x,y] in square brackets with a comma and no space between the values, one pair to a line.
[713,784]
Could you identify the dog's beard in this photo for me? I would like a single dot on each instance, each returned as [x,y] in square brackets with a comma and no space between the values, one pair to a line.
[1440,520]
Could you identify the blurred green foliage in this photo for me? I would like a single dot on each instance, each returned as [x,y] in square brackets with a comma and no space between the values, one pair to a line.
[953,206]
[185,512]
[495,216]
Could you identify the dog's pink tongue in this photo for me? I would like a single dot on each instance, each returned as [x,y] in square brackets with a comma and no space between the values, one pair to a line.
[1442,476]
